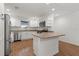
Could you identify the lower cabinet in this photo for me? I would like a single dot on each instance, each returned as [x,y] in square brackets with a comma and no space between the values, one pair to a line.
[45,47]
[22,36]
[26,35]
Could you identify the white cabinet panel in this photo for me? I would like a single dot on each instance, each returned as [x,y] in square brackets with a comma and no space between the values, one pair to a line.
[34,22]
[45,47]
[26,35]
[50,20]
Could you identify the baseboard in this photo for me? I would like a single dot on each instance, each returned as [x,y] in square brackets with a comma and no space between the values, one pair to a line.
[69,42]
[27,39]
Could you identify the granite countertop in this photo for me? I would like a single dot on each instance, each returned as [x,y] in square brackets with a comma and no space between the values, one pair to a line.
[20,29]
[25,29]
[48,34]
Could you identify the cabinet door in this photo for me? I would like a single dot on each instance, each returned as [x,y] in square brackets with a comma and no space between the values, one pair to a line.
[50,20]
[34,22]
[36,45]
[26,35]
[49,23]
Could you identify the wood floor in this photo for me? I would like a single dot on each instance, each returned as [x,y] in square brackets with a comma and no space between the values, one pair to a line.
[18,46]
[65,49]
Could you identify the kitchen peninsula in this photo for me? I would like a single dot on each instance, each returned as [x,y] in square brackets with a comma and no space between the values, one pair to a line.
[46,43]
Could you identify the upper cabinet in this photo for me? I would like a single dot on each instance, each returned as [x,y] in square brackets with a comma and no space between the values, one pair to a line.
[50,20]
[34,22]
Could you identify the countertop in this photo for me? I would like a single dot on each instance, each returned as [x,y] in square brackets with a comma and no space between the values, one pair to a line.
[19,29]
[48,34]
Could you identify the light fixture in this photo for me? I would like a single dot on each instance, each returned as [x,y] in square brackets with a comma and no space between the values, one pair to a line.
[47,3]
[8,10]
[53,9]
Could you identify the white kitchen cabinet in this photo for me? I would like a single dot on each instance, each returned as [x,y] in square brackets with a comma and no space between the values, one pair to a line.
[26,35]
[12,37]
[50,20]
[34,22]
[46,43]
[45,47]
[22,35]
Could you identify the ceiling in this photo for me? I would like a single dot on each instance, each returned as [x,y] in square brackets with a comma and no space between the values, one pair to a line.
[41,9]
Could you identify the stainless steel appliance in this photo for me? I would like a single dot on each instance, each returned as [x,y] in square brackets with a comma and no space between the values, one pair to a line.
[7,39]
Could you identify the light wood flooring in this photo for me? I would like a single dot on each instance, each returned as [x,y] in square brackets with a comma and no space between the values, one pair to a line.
[18,46]
[65,49]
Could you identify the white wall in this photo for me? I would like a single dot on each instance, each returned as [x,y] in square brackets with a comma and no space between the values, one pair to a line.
[1,31]
[68,25]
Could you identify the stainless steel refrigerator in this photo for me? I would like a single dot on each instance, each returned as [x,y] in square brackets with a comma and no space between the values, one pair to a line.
[7,40]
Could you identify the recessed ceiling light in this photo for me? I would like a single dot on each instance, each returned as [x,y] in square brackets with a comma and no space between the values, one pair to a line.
[47,3]
[53,9]
[8,9]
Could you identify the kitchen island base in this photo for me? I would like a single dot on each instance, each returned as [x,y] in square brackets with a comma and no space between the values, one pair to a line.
[45,47]
[46,43]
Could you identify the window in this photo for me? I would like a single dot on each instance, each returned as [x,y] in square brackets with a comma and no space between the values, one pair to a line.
[24,23]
